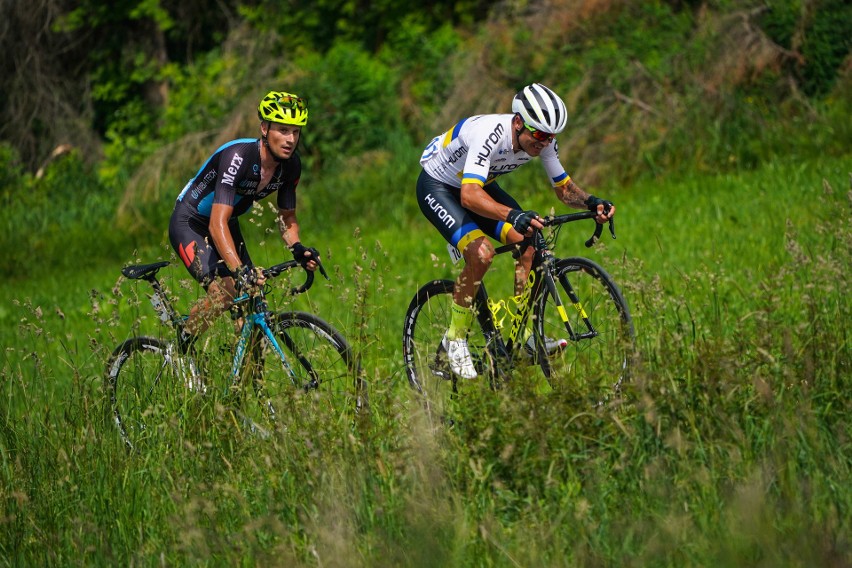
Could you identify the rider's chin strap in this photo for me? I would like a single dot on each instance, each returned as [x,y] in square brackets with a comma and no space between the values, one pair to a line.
[263,138]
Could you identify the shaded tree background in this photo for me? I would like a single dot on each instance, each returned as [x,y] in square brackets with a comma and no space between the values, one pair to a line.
[133,95]
[90,73]
[77,70]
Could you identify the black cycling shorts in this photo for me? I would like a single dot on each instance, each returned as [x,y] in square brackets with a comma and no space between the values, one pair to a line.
[441,204]
[190,237]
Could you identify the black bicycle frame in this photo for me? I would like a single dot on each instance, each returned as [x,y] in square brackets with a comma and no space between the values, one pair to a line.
[540,276]
[496,345]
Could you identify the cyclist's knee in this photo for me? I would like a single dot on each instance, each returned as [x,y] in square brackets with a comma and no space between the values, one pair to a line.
[222,293]
[479,252]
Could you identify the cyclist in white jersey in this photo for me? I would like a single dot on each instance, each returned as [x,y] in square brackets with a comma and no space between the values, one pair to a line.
[458,192]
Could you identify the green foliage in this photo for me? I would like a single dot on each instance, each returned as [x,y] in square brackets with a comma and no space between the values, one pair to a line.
[130,140]
[192,109]
[352,101]
[732,446]
[11,174]
[819,31]
[781,20]
[648,32]
[131,51]
[321,24]
[424,60]
[121,64]
[826,46]
[57,222]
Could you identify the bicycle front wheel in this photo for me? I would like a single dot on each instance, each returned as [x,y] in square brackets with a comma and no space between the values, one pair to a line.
[596,323]
[317,361]
[147,389]
[426,365]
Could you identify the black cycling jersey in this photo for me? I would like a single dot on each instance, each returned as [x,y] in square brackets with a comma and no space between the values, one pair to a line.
[230,176]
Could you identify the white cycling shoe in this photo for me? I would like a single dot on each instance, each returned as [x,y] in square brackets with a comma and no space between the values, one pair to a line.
[459,357]
[551,346]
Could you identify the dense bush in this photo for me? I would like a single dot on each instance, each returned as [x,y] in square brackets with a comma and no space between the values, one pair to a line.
[321,24]
[353,103]
[819,31]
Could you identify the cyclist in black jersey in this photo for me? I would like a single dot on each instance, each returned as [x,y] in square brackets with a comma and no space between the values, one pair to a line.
[458,192]
[204,229]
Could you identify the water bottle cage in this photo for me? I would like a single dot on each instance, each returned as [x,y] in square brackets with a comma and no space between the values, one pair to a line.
[504,307]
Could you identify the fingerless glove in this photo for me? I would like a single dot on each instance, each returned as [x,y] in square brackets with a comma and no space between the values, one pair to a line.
[521,220]
[299,250]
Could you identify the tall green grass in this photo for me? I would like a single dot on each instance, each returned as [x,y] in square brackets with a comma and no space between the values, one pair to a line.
[733,448]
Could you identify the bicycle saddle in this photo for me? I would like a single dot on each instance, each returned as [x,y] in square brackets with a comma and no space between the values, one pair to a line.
[136,271]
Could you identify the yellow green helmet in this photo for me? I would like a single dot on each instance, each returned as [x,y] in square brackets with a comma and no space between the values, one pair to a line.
[285,108]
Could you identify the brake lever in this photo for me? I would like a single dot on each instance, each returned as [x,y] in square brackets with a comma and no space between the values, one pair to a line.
[321,268]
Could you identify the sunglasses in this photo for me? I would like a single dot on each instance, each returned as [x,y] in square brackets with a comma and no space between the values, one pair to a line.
[291,102]
[538,134]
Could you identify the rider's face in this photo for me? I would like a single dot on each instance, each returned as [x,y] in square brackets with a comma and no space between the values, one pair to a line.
[527,141]
[530,145]
[283,139]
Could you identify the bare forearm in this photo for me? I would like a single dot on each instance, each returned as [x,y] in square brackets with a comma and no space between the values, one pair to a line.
[289,226]
[572,195]
[474,198]
[224,244]
[220,214]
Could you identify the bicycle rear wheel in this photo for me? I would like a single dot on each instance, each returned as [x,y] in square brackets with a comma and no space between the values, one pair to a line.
[148,389]
[426,365]
[317,361]
[597,326]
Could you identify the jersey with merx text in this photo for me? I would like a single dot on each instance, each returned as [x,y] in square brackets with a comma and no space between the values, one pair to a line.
[231,176]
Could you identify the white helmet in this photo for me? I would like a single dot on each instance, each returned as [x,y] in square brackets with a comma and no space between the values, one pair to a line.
[541,108]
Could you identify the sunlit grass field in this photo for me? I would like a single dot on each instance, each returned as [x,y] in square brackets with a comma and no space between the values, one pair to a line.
[733,448]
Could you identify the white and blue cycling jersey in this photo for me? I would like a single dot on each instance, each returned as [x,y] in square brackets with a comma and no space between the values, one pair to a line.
[478,149]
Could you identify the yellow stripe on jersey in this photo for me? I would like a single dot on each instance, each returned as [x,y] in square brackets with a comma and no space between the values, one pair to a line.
[453,133]
[563,182]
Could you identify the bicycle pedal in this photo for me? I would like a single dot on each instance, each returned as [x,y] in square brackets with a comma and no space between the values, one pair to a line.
[445,374]
[441,366]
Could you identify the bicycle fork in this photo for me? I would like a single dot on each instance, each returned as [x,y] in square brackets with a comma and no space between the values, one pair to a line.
[184,368]
[575,301]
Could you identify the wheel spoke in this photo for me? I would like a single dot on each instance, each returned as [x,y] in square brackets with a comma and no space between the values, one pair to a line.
[146,393]
[598,328]
[317,361]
